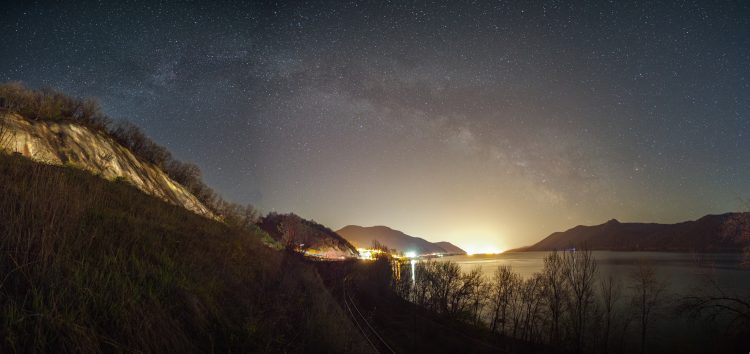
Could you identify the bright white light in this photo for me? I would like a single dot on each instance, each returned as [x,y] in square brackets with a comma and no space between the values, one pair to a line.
[410,254]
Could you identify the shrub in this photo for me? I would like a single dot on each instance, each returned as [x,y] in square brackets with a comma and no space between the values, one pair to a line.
[50,104]
[132,137]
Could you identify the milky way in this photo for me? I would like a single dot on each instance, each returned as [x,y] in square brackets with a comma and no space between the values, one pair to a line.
[489,125]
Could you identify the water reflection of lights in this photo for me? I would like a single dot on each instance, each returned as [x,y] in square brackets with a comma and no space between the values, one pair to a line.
[413,274]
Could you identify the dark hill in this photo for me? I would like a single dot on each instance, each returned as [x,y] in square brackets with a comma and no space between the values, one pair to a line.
[316,239]
[712,233]
[450,248]
[362,237]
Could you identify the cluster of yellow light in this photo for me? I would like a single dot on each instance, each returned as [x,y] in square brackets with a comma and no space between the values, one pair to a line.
[482,250]
[368,253]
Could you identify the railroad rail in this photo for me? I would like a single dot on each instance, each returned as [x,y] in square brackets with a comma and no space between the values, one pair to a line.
[372,336]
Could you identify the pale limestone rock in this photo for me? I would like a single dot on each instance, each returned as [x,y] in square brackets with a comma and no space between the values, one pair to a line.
[76,145]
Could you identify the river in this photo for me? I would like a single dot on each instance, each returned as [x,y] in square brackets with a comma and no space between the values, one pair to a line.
[682,272]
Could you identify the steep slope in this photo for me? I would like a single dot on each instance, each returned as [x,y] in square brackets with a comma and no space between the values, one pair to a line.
[93,266]
[65,143]
[450,248]
[362,237]
[712,233]
[313,238]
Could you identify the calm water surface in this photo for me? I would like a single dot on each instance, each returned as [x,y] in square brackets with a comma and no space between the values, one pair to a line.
[682,272]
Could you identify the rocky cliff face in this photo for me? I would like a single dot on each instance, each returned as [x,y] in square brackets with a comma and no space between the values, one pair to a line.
[78,146]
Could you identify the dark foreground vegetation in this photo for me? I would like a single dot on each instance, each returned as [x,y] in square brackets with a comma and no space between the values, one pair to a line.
[569,308]
[88,265]
[405,326]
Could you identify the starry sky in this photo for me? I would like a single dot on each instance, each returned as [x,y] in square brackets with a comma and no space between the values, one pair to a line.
[487,124]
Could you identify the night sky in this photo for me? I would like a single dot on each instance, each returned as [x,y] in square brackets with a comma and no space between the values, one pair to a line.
[489,125]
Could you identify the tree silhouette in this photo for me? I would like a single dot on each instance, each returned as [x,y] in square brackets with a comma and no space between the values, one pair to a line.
[647,296]
[579,271]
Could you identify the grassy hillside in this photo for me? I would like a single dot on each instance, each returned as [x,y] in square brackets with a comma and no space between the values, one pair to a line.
[88,265]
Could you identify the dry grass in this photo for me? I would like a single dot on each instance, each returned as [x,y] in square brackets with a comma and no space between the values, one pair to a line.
[88,266]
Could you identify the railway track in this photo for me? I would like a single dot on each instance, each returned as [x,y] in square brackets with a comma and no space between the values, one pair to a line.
[372,336]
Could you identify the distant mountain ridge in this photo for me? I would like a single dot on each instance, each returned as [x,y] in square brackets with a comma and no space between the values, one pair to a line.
[728,232]
[450,248]
[362,237]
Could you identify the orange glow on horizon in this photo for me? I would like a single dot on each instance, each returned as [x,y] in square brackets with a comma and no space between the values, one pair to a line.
[480,238]
[482,250]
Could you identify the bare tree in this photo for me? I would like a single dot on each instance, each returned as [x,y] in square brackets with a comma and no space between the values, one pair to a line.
[532,302]
[504,287]
[444,288]
[647,296]
[4,132]
[376,245]
[463,298]
[712,301]
[293,234]
[422,280]
[579,271]
[610,295]
[404,284]
[243,217]
[555,293]
[479,300]
[133,137]
[446,280]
